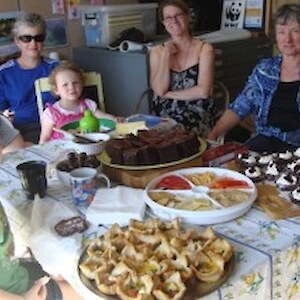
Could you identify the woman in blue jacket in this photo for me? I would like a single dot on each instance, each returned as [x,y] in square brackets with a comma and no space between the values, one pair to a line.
[17,76]
[272,93]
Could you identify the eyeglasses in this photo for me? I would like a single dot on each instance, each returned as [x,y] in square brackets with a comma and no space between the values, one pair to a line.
[169,19]
[28,38]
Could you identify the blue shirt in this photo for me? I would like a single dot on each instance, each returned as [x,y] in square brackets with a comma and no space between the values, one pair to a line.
[257,96]
[17,91]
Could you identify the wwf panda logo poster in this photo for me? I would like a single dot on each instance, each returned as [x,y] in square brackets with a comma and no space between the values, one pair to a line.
[233,14]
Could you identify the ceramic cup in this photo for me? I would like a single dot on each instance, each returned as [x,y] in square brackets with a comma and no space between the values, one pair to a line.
[84,184]
[33,178]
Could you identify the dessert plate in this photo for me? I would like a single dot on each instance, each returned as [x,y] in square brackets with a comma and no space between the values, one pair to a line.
[216,213]
[106,160]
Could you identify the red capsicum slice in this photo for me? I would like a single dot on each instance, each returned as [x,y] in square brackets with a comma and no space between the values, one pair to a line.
[224,183]
[173,182]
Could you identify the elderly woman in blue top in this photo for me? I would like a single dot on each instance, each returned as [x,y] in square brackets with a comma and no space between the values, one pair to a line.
[17,76]
[272,93]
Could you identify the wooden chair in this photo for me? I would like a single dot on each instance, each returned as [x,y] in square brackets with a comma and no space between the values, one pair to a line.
[92,83]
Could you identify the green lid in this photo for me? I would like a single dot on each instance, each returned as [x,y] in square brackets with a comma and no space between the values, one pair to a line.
[89,123]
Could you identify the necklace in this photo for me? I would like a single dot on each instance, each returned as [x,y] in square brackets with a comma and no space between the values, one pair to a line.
[181,68]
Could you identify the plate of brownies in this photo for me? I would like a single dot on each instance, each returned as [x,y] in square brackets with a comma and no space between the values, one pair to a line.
[152,149]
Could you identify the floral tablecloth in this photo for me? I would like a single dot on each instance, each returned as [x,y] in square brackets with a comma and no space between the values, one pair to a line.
[267,252]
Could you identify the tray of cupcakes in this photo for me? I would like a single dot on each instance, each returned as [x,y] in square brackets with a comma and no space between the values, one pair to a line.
[278,170]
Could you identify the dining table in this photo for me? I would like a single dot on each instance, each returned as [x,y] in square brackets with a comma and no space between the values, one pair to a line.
[266,251]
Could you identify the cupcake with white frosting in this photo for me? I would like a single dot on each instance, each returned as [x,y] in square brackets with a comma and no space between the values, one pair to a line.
[265,159]
[247,159]
[287,181]
[294,166]
[284,158]
[295,196]
[272,171]
[254,173]
[297,153]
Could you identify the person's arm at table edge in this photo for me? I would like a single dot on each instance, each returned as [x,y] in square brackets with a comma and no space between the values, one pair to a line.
[228,120]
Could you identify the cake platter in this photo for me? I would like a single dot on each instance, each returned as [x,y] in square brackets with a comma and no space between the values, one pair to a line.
[106,160]
[212,196]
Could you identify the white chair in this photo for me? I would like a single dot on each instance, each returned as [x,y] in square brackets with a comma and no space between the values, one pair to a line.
[91,80]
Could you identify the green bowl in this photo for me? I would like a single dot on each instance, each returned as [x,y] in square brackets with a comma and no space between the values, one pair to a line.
[104,125]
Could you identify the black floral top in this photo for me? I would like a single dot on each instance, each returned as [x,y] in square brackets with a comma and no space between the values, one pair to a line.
[197,115]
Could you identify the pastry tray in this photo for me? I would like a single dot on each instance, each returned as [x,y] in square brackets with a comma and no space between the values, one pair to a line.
[202,217]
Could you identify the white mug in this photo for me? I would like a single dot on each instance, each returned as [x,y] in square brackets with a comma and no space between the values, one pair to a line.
[84,184]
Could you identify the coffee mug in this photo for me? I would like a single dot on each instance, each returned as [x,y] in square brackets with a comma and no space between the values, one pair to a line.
[33,178]
[84,184]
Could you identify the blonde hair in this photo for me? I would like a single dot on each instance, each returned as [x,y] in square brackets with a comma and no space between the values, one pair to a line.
[64,66]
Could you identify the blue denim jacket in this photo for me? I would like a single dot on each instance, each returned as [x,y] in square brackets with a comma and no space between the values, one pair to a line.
[257,96]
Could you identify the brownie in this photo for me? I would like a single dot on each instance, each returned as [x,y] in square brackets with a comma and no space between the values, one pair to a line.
[152,147]
[70,226]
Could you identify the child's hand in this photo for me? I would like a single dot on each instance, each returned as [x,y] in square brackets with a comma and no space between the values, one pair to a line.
[120,119]
[38,291]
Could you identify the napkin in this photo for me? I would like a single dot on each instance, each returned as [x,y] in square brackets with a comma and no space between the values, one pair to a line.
[116,205]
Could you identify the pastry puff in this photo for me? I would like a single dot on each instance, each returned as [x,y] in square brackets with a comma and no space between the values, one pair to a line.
[221,247]
[209,267]
[132,287]
[171,289]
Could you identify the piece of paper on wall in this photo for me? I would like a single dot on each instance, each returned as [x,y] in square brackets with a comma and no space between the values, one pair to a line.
[254,14]
[58,7]
[73,11]
[233,14]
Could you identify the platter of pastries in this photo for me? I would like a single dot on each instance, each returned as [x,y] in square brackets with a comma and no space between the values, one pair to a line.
[201,195]
[155,260]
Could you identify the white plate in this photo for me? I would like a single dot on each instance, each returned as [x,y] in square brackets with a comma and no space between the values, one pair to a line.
[214,216]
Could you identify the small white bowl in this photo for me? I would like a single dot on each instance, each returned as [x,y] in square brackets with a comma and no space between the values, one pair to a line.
[63,173]
[91,148]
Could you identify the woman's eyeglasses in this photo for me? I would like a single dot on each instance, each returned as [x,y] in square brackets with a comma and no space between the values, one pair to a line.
[28,38]
[169,19]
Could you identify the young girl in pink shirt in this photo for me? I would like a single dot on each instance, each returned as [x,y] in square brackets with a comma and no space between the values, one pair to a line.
[66,81]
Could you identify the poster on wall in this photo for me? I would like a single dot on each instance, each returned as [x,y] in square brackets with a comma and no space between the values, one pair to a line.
[56,35]
[7,21]
[255,12]
[58,7]
[233,14]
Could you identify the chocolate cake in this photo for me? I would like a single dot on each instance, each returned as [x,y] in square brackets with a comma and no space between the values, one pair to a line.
[152,147]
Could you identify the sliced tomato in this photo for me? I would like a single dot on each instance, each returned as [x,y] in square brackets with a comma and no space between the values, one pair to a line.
[174,182]
[225,182]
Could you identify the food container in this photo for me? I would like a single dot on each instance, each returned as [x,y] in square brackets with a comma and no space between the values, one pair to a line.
[92,148]
[203,217]
[104,23]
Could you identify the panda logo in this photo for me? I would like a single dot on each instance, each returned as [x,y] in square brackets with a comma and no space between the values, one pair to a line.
[234,11]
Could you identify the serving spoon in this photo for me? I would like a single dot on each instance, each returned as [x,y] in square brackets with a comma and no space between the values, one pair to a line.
[73,136]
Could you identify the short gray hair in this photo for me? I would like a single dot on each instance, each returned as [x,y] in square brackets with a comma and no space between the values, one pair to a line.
[285,13]
[29,20]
